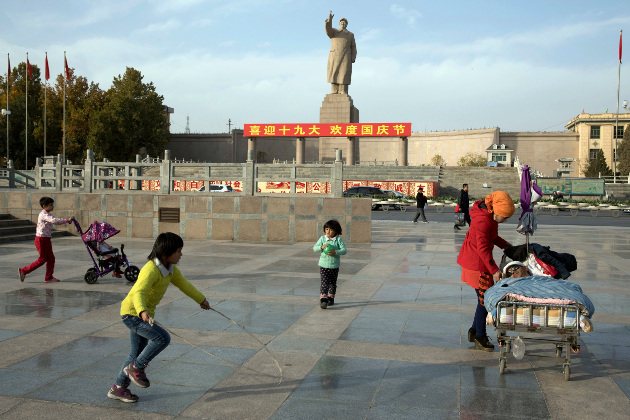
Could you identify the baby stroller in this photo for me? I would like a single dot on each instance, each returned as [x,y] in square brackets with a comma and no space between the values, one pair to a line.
[108,261]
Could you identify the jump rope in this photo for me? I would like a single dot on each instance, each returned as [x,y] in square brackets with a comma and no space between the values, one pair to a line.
[234,365]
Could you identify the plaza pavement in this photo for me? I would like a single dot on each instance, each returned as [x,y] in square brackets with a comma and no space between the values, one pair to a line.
[394,345]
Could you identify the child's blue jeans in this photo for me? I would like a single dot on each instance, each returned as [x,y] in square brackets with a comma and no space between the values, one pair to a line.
[146,342]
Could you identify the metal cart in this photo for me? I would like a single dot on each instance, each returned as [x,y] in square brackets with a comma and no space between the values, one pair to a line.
[537,318]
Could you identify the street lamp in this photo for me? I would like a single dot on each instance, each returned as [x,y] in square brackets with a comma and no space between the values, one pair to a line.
[7,113]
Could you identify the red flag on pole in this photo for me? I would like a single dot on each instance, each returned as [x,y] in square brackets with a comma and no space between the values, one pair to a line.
[620,46]
[67,69]
[30,70]
[47,69]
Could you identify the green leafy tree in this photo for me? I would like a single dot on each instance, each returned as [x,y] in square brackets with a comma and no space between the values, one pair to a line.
[438,160]
[472,159]
[598,166]
[131,117]
[18,126]
[623,154]
[83,100]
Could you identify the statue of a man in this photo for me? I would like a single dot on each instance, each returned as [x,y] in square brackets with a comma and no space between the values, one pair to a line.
[343,52]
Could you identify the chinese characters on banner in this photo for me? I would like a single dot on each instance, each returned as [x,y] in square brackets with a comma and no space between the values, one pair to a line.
[328,130]
[431,189]
[300,187]
[154,185]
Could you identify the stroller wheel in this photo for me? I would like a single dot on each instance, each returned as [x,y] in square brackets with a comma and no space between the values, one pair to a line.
[131,273]
[91,276]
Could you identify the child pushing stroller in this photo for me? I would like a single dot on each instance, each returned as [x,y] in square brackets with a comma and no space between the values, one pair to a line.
[108,259]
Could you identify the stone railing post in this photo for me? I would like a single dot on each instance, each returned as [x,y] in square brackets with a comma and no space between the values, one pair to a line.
[59,173]
[11,170]
[87,172]
[336,184]
[249,173]
[138,172]
[165,174]
[293,181]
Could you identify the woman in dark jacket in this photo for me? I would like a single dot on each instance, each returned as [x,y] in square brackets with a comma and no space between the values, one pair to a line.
[478,267]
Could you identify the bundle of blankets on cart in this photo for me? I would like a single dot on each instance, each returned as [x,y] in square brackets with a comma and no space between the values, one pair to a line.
[543,261]
[540,289]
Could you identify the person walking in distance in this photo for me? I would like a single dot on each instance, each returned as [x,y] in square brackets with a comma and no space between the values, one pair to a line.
[462,203]
[421,201]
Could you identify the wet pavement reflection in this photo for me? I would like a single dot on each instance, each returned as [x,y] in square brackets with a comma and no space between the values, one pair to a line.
[394,345]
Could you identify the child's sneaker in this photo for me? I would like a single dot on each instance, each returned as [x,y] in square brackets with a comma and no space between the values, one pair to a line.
[21,275]
[117,275]
[323,303]
[137,376]
[331,301]
[52,280]
[123,394]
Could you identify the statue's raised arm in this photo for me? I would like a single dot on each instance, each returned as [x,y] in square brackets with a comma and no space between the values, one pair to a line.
[343,52]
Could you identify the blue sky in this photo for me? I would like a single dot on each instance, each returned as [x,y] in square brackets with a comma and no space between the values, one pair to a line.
[521,66]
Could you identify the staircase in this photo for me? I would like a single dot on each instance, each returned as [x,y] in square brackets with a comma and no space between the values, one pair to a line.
[392,173]
[13,229]
[504,179]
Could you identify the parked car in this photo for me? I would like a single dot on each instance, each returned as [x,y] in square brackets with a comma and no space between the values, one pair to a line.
[217,188]
[363,191]
[395,194]
[366,191]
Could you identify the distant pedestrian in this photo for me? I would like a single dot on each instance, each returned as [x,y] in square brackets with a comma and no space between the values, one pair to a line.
[462,204]
[421,201]
[331,247]
[138,309]
[479,270]
[43,241]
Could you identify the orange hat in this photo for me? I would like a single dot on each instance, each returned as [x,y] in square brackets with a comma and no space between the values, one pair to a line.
[500,203]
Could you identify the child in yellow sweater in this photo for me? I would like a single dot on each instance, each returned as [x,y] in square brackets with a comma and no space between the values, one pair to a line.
[138,309]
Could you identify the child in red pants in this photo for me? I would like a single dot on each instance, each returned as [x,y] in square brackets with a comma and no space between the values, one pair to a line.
[43,235]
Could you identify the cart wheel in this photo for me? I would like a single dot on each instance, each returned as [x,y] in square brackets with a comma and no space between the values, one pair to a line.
[502,364]
[567,372]
[91,276]
[131,273]
[558,351]
[575,349]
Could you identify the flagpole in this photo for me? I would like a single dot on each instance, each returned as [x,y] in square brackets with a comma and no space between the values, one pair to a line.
[8,77]
[617,117]
[26,126]
[45,91]
[64,106]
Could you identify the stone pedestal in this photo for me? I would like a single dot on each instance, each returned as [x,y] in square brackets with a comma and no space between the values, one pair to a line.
[338,108]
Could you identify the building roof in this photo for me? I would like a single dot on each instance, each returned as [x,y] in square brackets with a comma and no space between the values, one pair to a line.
[610,118]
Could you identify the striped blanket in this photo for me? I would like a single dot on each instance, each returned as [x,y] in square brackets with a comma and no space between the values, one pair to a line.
[538,287]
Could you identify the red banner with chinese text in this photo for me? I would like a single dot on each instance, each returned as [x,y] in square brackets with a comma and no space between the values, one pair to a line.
[328,130]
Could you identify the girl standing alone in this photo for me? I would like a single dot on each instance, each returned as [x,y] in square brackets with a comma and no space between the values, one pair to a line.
[138,309]
[331,247]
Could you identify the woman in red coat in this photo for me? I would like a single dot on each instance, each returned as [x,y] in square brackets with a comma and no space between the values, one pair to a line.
[478,267]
